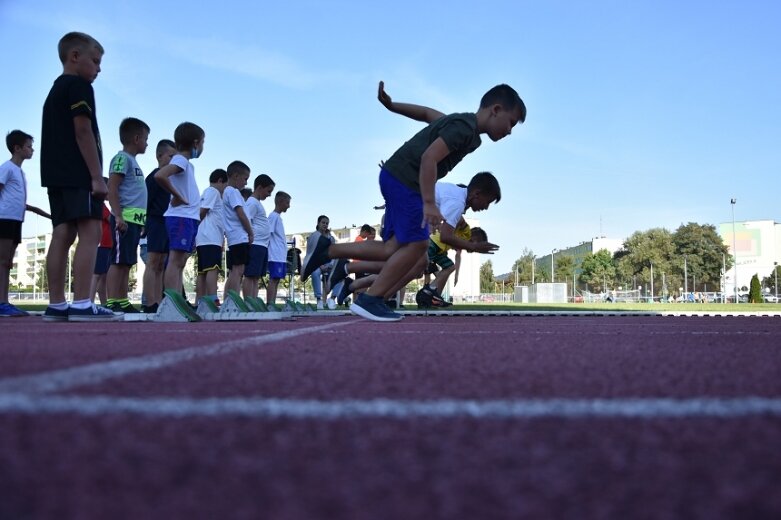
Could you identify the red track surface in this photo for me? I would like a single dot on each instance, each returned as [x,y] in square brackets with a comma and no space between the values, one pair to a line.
[153,435]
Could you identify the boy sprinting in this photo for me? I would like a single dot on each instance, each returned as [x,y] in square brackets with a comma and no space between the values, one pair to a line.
[13,204]
[127,196]
[210,237]
[407,181]
[277,246]
[157,200]
[238,230]
[184,212]
[71,164]
[258,251]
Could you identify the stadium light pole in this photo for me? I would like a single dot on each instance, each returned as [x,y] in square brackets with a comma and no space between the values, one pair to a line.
[685,277]
[734,248]
[534,261]
[552,277]
[775,272]
[652,282]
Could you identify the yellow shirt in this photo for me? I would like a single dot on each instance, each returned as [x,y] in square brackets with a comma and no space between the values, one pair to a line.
[464,233]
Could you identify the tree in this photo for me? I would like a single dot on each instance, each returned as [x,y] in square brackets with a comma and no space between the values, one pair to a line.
[643,249]
[598,270]
[565,268]
[705,252]
[523,268]
[487,277]
[770,280]
[755,293]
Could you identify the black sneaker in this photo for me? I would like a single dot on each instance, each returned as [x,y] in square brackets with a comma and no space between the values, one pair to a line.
[345,292]
[317,258]
[52,314]
[423,298]
[373,308]
[149,309]
[128,309]
[113,306]
[338,273]
[391,304]
[94,313]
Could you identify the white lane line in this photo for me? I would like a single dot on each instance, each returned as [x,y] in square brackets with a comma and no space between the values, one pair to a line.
[66,379]
[259,408]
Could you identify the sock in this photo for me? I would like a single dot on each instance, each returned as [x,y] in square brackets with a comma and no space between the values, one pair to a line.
[123,302]
[81,304]
[111,301]
[62,306]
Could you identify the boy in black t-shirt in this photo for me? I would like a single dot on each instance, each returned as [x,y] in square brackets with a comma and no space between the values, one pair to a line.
[407,182]
[71,169]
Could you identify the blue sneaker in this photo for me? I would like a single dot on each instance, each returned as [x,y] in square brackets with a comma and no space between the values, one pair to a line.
[9,310]
[345,292]
[316,258]
[53,314]
[373,308]
[94,313]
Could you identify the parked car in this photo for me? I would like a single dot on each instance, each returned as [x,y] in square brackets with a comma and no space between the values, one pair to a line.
[770,298]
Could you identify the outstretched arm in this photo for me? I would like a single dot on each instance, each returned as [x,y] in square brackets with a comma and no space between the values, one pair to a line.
[416,112]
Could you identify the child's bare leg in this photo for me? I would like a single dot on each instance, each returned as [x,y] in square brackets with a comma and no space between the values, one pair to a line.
[63,237]
[364,266]
[441,278]
[7,248]
[397,267]
[172,279]
[271,290]
[366,250]
[210,285]
[153,277]
[89,231]
[413,273]
[233,283]
[249,287]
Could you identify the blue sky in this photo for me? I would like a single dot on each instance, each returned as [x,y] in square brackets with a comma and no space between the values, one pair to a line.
[640,114]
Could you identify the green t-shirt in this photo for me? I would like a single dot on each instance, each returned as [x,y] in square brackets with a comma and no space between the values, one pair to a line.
[459,131]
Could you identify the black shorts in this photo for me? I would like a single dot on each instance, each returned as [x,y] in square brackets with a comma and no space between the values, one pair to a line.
[156,235]
[72,204]
[102,260]
[11,230]
[258,262]
[125,248]
[238,254]
[209,258]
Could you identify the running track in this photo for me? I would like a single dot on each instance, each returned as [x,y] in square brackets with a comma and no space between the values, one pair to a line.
[432,417]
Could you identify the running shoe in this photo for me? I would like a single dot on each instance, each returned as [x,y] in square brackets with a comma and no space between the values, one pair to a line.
[338,273]
[373,308]
[128,309]
[52,314]
[330,303]
[345,292]
[317,258]
[10,310]
[94,313]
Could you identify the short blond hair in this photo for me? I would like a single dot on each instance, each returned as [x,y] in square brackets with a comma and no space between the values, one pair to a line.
[77,40]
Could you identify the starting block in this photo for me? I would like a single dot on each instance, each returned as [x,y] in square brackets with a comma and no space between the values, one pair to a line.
[174,308]
[234,308]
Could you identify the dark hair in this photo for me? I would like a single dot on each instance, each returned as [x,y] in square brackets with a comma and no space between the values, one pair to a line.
[186,134]
[483,236]
[281,195]
[76,40]
[246,193]
[237,167]
[16,138]
[131,127]
[218,175]
[487,183]
[163,144]
[366,228]
[506,96]
[263,181]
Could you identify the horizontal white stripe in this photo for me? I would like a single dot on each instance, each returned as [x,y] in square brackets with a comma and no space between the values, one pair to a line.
[392,409]
[66,379]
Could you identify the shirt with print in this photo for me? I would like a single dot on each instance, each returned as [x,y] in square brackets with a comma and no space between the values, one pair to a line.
[211,231]
[459,131]
[256,214]
[234,231]
[62,165]
[157,199]
[277,245]
[132,189]
[185,184]
[13,192]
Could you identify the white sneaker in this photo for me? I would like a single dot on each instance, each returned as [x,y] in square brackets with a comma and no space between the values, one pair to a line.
[319,305]
[330,303]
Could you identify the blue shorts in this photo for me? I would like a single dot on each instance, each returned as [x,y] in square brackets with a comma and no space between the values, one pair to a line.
[258,262]
[403,211]
[102,260]
[181,233]
[277,270]
[125,248]
[156,235]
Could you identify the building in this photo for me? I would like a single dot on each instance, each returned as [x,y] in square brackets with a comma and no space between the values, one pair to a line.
[756,249]
[579,252]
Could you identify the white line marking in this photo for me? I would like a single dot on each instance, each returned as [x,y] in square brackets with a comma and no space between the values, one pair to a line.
[260,408]
[61,380]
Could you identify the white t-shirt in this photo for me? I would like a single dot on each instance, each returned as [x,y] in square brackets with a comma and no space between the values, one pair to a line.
[277,245]
[13,194]
[185,184]
[256,214]
[234,231]
[451,201]
[210,230]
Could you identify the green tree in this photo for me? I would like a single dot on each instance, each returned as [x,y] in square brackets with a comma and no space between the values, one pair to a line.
[642,250]
[565,268]
[487,277]
[705,253]
[770,280]
[598,271]
[755,293]
[522,269]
